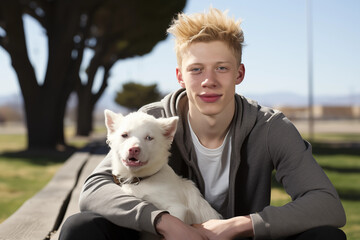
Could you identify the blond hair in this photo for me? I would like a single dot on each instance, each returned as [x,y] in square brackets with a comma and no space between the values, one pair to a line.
[206,27]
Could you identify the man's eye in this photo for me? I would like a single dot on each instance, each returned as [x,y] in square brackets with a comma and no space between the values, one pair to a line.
[195,70]
[148,138]
[222,68]
[124,135]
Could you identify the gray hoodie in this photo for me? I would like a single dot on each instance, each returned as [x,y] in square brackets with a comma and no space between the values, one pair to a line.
[262,140]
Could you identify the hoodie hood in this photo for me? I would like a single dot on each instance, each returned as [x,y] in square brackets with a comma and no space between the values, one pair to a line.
[176,104]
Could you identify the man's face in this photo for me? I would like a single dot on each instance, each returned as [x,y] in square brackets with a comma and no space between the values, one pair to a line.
[210,72]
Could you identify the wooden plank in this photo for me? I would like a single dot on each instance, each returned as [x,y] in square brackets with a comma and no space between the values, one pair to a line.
[73,206]
[38,215]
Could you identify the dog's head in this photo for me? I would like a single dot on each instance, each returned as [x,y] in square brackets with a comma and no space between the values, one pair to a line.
[139,141]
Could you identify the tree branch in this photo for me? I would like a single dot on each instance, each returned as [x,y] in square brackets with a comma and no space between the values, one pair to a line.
[103,84]
[15,45]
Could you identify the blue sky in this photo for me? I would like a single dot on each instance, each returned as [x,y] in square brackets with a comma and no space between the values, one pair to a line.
[275,52]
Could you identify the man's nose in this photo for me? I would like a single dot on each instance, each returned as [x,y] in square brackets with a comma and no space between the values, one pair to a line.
[209,81]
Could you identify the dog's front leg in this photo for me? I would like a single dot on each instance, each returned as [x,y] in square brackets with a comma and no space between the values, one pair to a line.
[181,212]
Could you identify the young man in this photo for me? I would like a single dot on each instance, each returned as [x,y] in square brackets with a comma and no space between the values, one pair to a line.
[229,146]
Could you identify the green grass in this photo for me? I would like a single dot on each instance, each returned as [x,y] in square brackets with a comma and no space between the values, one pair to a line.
[344,172]
[342,166]
[20,179]
[22,175]
[12,142]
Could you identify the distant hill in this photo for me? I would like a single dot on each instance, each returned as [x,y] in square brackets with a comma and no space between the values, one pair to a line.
[267,99]
[11,100]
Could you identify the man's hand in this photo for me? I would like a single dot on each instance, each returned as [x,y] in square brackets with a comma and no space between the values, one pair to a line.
[227,229]
[172,228]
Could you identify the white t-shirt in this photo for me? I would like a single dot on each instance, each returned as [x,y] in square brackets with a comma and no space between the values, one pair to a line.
[214,165]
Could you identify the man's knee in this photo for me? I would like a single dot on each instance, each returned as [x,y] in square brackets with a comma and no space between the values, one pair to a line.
[88,225]
[321,233]
[328,233]
[79,225]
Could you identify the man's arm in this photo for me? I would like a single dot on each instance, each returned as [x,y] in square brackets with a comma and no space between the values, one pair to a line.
[315,201]
[172,228]
[227,229]
[101,195]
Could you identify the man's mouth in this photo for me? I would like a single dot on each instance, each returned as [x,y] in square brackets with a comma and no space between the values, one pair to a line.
[133,162]
[210,97]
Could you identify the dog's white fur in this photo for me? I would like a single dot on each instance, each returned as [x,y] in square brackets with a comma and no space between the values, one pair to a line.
[160,186]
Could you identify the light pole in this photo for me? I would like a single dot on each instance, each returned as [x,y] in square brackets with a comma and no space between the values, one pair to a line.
[310,69]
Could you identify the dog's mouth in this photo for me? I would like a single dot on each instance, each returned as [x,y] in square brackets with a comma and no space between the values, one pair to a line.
[134,162]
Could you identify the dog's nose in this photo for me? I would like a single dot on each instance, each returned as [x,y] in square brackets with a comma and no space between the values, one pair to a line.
[134,151]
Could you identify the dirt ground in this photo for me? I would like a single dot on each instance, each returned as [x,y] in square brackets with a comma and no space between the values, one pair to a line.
[12,128]
[330,126]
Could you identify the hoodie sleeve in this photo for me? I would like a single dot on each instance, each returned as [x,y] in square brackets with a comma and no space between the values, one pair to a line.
[101,195]
[315,201]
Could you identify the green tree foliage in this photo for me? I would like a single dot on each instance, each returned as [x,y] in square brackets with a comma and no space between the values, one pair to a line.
[111,29]
[120,29]
[135,95]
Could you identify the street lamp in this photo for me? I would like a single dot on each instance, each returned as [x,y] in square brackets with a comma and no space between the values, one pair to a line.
[310,69]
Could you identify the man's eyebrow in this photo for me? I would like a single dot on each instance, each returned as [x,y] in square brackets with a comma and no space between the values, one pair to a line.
[218,62]
[194,65]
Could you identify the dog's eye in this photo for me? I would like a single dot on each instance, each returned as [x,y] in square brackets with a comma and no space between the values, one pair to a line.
[148,138]
[124,135]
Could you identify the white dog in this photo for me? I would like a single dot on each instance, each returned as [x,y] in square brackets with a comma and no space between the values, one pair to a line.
[140,149]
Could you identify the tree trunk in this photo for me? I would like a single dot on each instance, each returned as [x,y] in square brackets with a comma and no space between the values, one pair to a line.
[44,104]
[44,118]
[87,99]
[84,121]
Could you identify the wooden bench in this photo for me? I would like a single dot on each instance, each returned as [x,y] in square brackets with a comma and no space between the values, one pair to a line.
[41,216]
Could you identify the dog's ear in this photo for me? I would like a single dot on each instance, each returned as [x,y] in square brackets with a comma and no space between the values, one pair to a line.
[110,118]
[170,126]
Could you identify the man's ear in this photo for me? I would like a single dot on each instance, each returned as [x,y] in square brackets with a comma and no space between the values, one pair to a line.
[180,77]
[110,118]
[240,74]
